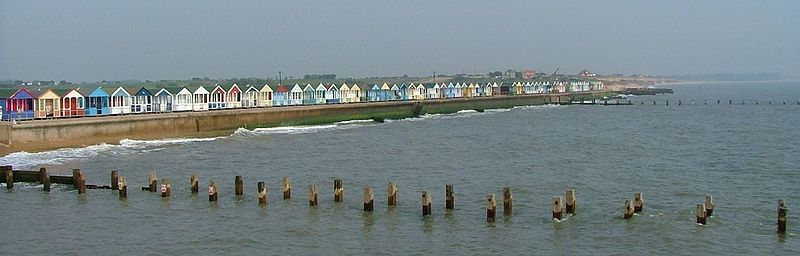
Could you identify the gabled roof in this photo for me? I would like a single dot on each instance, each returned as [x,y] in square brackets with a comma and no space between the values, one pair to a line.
[364,87]
[120,90]
[308,87]
[331,87]
[251,88]
[266,88]
[218,89]
[75,93]
[403,86]
[21,93]
[344,87]
[47,93]
[296,88]
[395,88]
[184,90]
[375,87]
[200,90]
[163,92]
[281,88]
[385,86]
[236,87]
[143,92]
[321,87]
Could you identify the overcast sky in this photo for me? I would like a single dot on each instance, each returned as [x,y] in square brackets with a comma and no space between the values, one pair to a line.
[118,40]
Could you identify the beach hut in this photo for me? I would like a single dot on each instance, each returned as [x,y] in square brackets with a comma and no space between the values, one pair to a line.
[319,94]
[296,95]
[74,103]
[251,96]
[345,93]
[182,100]
[432,91]
[332,95]
[309,95]
[217,98]
[355,93]
[420,92]
[233,97]
[141,101]
[200,98]
[120,101]
[281,96]
[458,91]
[98,102]
[163,101]
[48,104]
[19,105]
[265,100]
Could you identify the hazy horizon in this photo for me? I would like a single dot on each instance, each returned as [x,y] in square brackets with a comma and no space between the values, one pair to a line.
[155,40]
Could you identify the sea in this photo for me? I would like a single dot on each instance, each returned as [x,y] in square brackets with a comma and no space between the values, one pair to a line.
[744,151]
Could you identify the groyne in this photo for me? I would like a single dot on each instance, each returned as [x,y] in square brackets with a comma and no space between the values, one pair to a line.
[41,135]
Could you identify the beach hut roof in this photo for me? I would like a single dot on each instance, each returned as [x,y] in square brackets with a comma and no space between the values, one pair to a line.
[234,88]
[251,88]
[266,88]
[395,88]
[344,87]
[281,88]
[46,93]
[22,93]
[162,92]
[385,86]
[331,87]
[296,88]
[142,92]
[184,90]
[120,90]
[218,89]
[308,87]
[321,87]
[200,90]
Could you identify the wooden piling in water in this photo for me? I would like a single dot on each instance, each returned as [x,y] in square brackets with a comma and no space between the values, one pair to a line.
[213,190]
[558,208]
[76,177]
[312,195]
[114,180]
[701,214]
[82,185]
[638,202]
[782,216]
[194,184]
[44,177]
[287,188]
[426,203]
[629,209]
[262,192]
[491,207]
[570,201]
[507,201]
[369,199]
[338,190]
[449,197]
[153,181]
[239,185]
[391,192]
[123,187]
[165,188]
[9,173]
[709,205]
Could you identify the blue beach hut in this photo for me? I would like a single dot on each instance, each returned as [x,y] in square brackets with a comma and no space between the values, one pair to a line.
[19,105]
[97,102]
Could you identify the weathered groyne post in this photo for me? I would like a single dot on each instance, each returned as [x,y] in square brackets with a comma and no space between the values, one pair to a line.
[114,180]
[239,186]
[449,197]
[709,205]
[312,195]
[194,184]
[212,190]
[701,214]
[629,209]
[81,184]
[76,177]
[391,192]
[262,192]
[558,208]
[123,187]
[491,207]
[338,190]
[782,212]
[45,179]
[369,199]
[570,201]
[287,188]
[9,173]
[153,181]
[426,203]
[638,202]
[165,188]
[507,201]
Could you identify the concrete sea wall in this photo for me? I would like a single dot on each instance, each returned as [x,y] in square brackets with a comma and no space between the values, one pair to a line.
[39,135]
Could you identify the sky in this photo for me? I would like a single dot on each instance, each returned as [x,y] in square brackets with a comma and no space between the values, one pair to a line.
[155,40]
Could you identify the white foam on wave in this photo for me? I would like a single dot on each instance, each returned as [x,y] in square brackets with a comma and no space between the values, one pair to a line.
[305,129]
[357,121]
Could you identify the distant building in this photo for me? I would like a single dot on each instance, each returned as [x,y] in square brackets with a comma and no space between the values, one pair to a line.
[587,73]
[510,74]
[528,74]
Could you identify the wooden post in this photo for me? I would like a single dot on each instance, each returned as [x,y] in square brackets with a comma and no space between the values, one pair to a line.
[392,193]
[45,179]
[426,203]
[638,202]
[262,192]
[287,188]
[701,214]
[312,195]
[194,184]
[153,181]
[369,199]
[9,176]
[239,188]
[782,212]
[629,210]
[506,201]
[165,187]
[213,190]
[338,190]
[82,185]
[709,204]
[450,198]
[558,208]
[123,187]
[491,207]
[570,201]
[114,180]
[76,177]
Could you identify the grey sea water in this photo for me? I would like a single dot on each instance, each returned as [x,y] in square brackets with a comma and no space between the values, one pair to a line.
[746,156]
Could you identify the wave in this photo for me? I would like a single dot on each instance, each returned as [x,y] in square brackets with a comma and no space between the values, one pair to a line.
[304,129]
